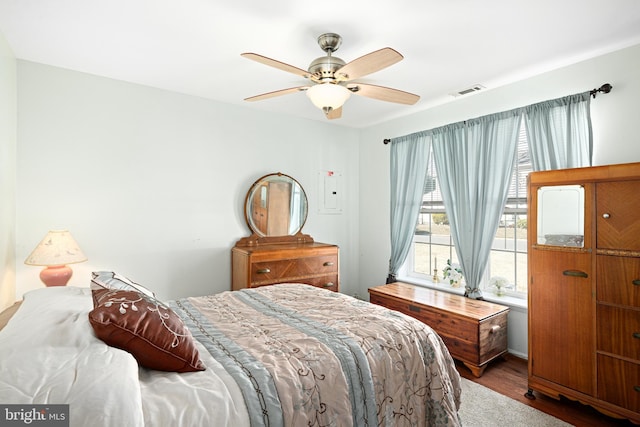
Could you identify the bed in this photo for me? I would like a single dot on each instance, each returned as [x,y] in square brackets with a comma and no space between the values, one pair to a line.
[281,355]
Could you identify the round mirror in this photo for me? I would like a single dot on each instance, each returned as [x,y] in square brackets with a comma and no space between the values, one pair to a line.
[276,205]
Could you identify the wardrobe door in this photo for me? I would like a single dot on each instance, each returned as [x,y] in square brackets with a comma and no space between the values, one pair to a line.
[617,209]
[561,316]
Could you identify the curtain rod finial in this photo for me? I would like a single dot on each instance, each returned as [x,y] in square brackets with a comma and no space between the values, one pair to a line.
[386,141]
[605,88]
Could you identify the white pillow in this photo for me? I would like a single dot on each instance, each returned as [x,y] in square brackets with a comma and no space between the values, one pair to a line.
[49,355]
[113,280]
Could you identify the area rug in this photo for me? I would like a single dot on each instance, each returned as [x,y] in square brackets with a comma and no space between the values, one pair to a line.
[483,407]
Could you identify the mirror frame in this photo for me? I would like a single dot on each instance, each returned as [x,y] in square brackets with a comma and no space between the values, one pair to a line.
[259,236]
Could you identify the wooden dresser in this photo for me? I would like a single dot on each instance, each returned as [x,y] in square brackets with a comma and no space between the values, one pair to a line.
[277,251]
[584,294]
[475,332]
[313,263]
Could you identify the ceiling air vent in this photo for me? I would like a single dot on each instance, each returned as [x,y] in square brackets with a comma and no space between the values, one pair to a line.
[472,89]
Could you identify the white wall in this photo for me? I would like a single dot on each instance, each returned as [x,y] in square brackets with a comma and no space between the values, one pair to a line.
[616,140]
[8,126]
[152,183]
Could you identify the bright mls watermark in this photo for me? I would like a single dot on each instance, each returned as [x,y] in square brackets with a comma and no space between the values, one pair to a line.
[34,415]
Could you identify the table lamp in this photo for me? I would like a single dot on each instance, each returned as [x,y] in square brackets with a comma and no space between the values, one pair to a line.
[55,251]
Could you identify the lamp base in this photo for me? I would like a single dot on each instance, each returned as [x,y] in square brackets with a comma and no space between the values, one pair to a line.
[56,275]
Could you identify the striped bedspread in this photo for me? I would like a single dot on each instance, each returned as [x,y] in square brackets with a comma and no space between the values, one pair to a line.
[304,356]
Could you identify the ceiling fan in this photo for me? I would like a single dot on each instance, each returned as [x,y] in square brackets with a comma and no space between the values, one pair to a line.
[331,78]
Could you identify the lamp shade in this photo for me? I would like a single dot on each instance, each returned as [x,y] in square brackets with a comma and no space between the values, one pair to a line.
[328,95]
[57,248]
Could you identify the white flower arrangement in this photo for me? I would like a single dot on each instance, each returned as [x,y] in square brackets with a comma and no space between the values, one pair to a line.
[452,273]
[499,283]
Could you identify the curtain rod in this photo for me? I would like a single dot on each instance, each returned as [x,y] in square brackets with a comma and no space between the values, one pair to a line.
[605,88]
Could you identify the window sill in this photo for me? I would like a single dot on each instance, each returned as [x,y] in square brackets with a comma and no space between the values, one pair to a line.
[510,301]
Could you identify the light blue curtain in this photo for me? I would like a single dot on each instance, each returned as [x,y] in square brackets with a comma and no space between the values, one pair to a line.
[409,160]
[559,132]
[474,161]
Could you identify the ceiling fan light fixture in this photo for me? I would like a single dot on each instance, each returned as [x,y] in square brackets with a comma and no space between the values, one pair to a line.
[331,78]
[328,96]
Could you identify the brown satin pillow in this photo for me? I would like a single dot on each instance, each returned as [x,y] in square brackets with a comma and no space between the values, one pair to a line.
[152,332]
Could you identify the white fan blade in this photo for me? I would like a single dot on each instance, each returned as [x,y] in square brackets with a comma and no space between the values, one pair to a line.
[367,64]
[276,64]
[334,114]
[276,93]
[383,93]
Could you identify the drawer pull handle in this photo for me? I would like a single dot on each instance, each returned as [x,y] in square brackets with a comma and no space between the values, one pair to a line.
[636,335]
[637,388]
[328,284]
[606,216]
[575,273]
[414,308]
[494,329]
[636,282]
[328,264]
[264,271]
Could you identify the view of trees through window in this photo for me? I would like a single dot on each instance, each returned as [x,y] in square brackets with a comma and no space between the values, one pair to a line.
[433,245]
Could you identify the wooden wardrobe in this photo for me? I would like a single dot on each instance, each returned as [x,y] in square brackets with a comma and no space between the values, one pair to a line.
[584,286]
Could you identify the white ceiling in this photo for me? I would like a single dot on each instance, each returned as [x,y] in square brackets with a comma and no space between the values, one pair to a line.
[194,46]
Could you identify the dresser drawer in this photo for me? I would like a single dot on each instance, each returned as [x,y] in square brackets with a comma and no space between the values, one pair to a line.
[329,282]
[292,269]
[325,282]
[619,280]
[619,382]
[312,263]
[618,331]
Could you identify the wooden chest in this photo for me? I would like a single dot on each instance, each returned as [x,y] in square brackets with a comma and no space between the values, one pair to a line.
[475,332]
[311,263]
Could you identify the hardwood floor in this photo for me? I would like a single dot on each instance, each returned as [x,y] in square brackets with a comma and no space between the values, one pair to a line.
[508,376]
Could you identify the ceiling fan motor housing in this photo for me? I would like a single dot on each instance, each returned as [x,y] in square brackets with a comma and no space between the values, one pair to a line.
[325,67]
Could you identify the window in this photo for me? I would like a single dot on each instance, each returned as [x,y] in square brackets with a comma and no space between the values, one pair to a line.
[433,246]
